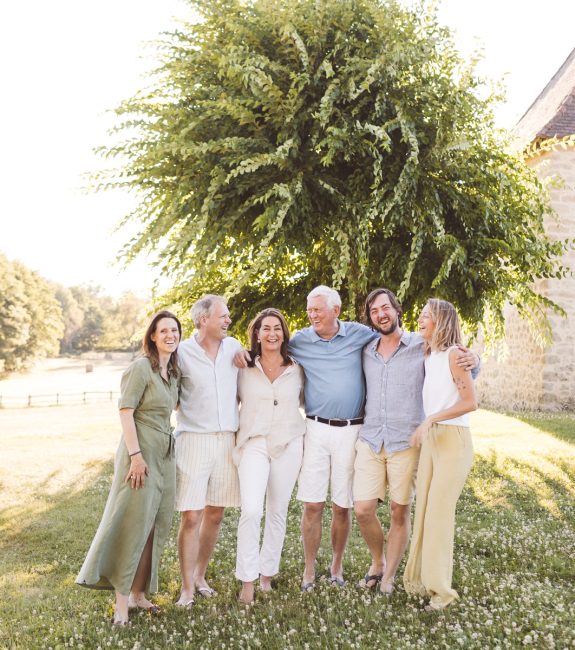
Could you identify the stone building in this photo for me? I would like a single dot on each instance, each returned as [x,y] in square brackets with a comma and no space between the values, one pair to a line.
[531,377]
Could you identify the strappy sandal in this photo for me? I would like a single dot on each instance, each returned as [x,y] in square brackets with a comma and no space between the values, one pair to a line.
[185,605]
[365,582]
[206,592]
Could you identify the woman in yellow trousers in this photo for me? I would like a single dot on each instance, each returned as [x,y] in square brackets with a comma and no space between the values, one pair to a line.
[446,456]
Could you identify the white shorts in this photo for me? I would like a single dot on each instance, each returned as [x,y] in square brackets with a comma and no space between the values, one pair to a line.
[205,473]
[328,457]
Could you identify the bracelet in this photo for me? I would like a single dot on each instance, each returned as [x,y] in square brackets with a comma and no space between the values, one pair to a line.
[135,453]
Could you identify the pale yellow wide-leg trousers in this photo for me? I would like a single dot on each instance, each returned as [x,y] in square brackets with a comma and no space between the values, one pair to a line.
[445,460]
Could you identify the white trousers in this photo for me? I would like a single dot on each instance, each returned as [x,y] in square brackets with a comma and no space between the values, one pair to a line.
[272,479]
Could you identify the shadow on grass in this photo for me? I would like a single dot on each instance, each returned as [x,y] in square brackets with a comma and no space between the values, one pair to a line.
[66,523]
[521,524]
[514,519]
[498,487]
[558,425]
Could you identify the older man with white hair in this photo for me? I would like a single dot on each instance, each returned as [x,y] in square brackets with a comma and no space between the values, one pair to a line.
[330,352]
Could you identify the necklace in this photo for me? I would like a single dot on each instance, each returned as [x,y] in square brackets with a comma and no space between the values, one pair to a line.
[269,365]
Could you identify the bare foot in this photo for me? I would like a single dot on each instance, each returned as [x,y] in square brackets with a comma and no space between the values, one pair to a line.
[247,593]
[120,621]
[139,601]
[120,610]
[386,587]
[265,583]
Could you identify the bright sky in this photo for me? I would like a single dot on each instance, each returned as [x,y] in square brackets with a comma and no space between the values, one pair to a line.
[65,63]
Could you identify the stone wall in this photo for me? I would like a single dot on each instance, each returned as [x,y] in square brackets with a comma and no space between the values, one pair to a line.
[522,375]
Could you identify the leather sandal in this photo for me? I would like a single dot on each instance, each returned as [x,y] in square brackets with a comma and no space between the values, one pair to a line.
[369,581]
[206,592]
[186,604]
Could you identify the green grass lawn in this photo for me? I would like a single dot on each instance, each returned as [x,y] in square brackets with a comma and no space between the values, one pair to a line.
[514,566]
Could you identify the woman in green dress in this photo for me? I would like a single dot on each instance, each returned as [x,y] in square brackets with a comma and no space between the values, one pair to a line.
[125,552]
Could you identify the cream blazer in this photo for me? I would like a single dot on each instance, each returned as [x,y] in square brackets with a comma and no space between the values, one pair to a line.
[270,409]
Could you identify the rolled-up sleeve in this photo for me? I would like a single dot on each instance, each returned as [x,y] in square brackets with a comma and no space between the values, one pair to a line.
[133,385]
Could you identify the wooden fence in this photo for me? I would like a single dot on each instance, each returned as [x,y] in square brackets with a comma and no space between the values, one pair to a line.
[57,399]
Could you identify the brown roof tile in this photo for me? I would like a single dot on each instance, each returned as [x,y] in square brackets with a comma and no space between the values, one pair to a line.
[553,112]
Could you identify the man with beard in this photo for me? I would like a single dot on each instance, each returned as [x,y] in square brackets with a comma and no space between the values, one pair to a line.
[394,371]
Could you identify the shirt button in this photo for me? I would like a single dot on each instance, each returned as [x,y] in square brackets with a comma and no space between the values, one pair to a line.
[275,402]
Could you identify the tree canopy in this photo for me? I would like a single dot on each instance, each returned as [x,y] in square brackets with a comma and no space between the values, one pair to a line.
[31,321]
[288,143]
[39,318]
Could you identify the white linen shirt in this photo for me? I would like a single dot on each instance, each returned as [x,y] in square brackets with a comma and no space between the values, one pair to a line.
[270,409]
[208,397]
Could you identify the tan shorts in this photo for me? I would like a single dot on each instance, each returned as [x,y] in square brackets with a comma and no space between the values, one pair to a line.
[205,473]
[328,455]
[373,472]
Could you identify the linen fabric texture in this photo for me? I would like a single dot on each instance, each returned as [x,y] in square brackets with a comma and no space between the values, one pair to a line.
[130,515]
[268,452]
[334,385]
[273,478]
[206,424]
[375,473]
[208,393]
[270,409]
[444,464]
[329,455]
[394,403]
[205,472]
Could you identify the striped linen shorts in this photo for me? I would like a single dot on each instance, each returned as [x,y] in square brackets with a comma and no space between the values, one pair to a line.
[205,472]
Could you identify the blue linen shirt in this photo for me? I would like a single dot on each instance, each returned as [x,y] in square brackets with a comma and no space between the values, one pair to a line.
[334,384]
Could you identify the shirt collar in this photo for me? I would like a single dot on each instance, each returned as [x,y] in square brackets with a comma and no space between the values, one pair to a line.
[340,332]
[405,339]
[289,369]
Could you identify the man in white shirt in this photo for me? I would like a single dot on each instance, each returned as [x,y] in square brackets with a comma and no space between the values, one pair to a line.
[207,420]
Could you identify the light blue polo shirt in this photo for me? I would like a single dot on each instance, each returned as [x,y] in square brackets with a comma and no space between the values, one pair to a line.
[334,383]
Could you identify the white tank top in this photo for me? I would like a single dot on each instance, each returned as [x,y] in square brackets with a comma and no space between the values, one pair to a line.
[439,390]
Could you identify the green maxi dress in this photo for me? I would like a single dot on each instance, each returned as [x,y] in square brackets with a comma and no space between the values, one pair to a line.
[130,514]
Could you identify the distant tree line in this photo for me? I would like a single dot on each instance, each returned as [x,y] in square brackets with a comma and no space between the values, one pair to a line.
[39,318]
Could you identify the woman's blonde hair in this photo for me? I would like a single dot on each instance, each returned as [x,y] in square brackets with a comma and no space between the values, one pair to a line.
[447,331]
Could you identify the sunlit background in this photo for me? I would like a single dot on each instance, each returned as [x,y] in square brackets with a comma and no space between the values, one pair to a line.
[66,63]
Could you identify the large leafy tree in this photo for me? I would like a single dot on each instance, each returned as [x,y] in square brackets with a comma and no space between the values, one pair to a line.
[31,322]
[287,143]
